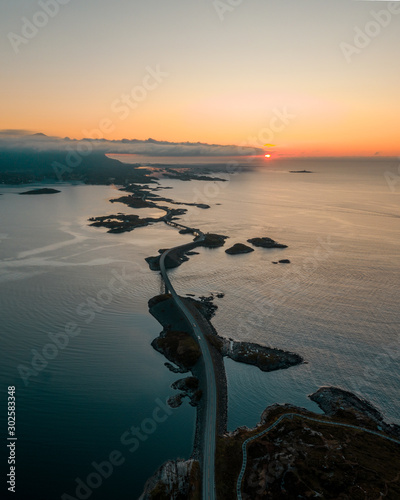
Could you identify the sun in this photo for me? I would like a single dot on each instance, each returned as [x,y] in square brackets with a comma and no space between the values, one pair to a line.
[267,156]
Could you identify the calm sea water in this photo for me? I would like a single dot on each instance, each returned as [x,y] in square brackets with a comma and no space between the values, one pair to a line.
[336,304]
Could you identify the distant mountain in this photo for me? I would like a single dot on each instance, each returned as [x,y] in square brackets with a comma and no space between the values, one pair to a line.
[18,167]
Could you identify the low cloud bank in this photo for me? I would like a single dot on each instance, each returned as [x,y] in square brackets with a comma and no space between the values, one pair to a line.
[19,140]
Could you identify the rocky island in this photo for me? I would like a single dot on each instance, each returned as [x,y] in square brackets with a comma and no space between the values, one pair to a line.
[214,240]
[265,242]
[267,359]
[173,259]
[42,191]
[121,223]
[239,248]
[186,175]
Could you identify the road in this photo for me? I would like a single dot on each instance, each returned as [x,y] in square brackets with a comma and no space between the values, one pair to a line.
[209,437]
[291,415]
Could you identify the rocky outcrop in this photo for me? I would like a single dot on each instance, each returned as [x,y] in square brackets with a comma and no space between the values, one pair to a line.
[187,175]
[189,388]
[172,260]
[174,480]
[337,402]
[205,306]
[239,248]
[214,240]
[42,191]
[265,243]
[175,369]
[265,358]
[178,347]
[133,202]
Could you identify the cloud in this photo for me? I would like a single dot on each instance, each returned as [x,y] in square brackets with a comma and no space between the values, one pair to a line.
[21,140]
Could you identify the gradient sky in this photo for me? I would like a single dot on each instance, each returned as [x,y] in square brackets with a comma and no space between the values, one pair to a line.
[227,79]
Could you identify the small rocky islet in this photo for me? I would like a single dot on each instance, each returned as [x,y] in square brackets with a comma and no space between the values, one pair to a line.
[265,242]
[239,248]
[41,191]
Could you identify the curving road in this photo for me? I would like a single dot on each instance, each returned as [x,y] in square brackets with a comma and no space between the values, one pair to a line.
[291,415]
[209,437]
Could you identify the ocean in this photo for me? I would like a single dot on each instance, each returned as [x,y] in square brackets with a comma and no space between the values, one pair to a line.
[336,304]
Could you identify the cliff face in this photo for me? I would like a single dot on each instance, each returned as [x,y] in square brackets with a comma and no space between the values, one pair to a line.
[174,480]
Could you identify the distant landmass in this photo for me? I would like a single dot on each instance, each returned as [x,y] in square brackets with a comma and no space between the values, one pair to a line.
[23,167]
[42,191]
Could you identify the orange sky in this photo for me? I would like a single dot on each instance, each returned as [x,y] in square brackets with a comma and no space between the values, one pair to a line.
[262,74]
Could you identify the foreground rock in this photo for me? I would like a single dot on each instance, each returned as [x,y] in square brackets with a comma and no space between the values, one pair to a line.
[265,243]
[42,191]
[336,402]
[189,388]
[214,240]
[239,248]
[174,480]
[302,456]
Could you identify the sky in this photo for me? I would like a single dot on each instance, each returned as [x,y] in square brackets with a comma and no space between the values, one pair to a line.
[299,78]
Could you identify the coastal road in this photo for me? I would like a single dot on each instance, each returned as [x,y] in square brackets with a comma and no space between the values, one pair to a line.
[209,433]
[291,416]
